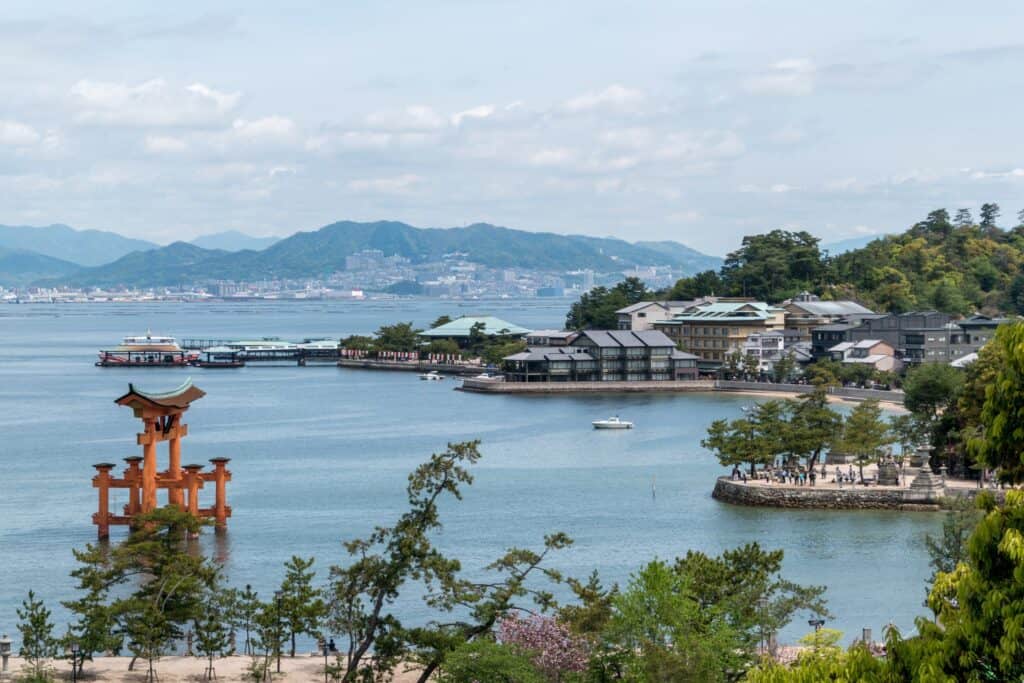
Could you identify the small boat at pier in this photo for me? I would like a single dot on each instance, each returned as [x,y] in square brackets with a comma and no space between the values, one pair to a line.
[612,423]
[433,375]
[147,351]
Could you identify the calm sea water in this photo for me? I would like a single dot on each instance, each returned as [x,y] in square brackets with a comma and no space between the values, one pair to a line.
[321,454]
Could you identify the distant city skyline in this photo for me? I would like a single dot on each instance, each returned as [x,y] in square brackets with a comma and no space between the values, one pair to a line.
[661,121]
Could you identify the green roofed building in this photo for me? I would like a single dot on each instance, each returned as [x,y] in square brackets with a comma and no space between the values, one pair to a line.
[460,328]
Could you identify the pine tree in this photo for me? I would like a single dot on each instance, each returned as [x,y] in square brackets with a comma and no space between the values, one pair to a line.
[302,608]
[963,218]
[37,642]
[212,631]
[864,433]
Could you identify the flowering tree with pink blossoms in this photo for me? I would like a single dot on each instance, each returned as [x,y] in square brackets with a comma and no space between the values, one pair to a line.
[554,648]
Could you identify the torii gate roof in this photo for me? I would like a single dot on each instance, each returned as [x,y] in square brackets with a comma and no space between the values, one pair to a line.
[175,399]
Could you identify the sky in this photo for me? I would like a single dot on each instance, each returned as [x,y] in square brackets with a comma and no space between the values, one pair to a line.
[696,122]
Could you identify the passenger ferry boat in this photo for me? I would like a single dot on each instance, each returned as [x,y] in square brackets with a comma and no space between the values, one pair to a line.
[147,351]
[219,357]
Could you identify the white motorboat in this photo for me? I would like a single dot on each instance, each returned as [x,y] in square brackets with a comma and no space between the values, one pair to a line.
[612,423]
[432,375]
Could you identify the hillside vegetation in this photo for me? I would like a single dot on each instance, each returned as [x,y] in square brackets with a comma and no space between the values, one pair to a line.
[954,265]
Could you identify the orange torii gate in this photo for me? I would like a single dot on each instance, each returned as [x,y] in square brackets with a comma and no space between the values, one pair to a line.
[161,419]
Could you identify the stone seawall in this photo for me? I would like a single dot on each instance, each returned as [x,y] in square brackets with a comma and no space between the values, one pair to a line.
[409,366]
[492,387]
[809,497]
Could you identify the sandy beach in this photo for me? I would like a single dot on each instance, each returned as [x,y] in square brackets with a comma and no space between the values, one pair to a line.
[173,669]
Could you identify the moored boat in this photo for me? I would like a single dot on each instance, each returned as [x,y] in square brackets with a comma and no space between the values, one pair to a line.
[432,375]
[612,423]
[147,351]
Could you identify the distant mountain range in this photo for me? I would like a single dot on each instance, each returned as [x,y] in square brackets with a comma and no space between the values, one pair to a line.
[21,267]
[84,247]
[852,244]
[317,253]
[233,240]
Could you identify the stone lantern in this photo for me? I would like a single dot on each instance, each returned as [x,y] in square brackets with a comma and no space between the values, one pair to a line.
[5,653]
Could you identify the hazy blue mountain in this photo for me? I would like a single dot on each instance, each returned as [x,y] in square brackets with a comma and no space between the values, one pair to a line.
[842,246]
[20,267]
[85,247]
[233,240]
[323,251]
[694,260]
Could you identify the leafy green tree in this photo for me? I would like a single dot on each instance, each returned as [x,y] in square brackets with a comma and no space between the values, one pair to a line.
[662,632]
[38,645]
[978,607]
[705,283]
[908,430]
[865,433]
[357,342]
[945,552]
[857,664]
[963,218]
[494,353]
[737,442]
[94,629]
[747,585]
[930,388]
[485,661]
[397,337]
[774,266]
[783,368]
[445,346]
[302,607]
[380,565]
[1000,442]
[596,308]
[813,426]
[168,580]
[823,373]
[441,320]
[245,608]
[989,215]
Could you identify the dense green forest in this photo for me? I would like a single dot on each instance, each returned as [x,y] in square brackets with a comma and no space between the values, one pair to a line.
[956,265]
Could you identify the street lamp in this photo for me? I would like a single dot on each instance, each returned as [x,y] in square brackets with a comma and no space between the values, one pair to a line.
[74,662]
[816,623]
[277,603]
[5,653]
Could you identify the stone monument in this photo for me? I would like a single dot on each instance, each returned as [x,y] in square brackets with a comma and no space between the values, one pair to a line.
[927,487]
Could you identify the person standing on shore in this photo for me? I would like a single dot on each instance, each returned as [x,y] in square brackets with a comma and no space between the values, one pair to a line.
[813,477]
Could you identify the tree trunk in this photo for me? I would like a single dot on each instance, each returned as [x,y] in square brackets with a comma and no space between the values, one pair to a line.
[293,646]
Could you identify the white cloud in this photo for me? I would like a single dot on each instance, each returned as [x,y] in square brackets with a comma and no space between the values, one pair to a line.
[164,144]
[1012,173]
[788,135]
[780,188]
[787,77]
[553,156]
[17,134]
[269,127]
[614,97]
[415,117]
[481,112]
[402,184]
[152,103]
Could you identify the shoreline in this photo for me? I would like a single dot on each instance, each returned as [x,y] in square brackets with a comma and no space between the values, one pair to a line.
[304,666]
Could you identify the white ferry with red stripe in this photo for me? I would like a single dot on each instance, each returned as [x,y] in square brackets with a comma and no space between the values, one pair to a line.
[149,351]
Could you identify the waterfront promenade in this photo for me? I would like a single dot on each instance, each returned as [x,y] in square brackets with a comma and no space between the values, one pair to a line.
[912,493]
